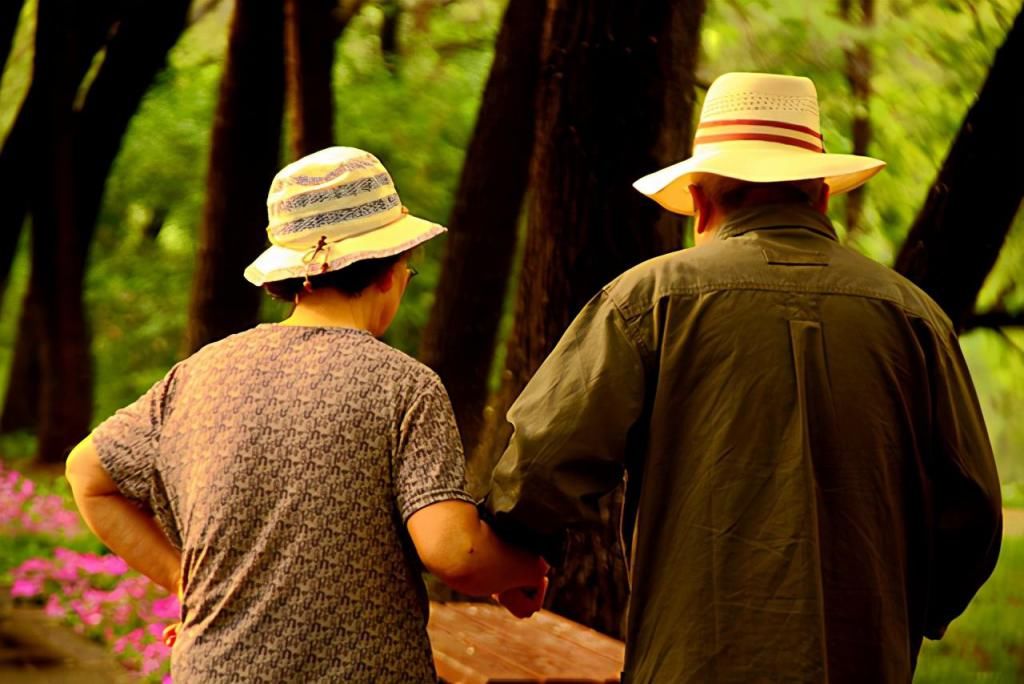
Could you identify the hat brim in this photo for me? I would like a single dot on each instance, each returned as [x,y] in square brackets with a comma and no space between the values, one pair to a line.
[754,162]
[281,263]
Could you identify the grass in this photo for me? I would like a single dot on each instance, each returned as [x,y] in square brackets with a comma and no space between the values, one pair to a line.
[986,643]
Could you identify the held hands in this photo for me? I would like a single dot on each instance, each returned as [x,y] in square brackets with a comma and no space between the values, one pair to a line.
[525,601]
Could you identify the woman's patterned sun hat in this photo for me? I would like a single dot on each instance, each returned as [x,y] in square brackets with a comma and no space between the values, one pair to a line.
[760,128]
[331,209]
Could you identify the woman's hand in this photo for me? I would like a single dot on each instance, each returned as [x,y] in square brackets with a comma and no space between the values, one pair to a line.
[524,601]
[170,634]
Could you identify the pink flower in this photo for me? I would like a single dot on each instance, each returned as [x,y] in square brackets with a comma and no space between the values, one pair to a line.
[135,637]
[122,614]
[26,588]
[167,608]
[33,565]
[153,656]
[67,573]
[53,607]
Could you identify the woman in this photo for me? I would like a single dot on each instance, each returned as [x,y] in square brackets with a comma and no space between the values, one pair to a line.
[276,477]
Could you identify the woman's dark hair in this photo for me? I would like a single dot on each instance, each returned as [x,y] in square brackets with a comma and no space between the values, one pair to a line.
[349,281]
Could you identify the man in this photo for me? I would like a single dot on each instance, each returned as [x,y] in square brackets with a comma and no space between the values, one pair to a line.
[810,487]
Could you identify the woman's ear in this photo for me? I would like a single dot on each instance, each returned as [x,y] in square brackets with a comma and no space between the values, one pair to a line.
[387,280]
[702,208]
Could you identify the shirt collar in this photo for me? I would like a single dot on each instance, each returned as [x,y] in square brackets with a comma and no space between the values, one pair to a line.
[775,216]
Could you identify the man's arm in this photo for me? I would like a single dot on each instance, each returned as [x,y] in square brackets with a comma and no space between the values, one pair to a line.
[968,507]
[463,552]
[571,425]
[119,523]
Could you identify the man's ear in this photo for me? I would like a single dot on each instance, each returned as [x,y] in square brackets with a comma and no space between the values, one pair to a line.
[822,203]
[702,208]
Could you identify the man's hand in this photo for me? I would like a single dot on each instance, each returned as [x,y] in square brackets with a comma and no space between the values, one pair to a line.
[524,601]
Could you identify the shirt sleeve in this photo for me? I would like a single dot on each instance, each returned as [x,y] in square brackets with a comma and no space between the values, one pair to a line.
[570,430]
[128,443]
[967,515]
[429,464]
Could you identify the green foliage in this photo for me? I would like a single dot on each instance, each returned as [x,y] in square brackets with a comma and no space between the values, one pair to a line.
[985,643]
[996,361]
[17,75]
[1013,494]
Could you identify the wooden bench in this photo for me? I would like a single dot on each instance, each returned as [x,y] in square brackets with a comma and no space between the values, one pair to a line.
[478,643]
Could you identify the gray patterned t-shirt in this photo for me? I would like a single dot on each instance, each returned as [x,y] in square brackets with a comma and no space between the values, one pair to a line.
[284,462]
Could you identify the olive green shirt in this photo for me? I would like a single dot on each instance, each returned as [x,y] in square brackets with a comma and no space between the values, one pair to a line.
[810,486]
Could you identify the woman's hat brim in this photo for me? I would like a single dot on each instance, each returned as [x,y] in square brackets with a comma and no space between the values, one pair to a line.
[752,162]
[281,263]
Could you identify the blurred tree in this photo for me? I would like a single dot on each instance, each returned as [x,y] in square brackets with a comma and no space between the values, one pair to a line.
[616,102]
[244,156]
[859,67]
[65,382]
[459,339]
[309,57]
[86,120]
[91,29]
[20,153]
[959,232]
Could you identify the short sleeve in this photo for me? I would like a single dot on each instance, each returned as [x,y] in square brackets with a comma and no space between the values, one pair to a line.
[127,443]
[429,465]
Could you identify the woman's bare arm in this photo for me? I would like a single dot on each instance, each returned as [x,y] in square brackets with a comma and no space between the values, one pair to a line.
[463,552]
[120,524]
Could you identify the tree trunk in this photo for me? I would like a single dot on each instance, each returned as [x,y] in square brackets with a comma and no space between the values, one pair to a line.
[309,54]
[957,236]
[243,161]
[859,67]
[10,11]
[616,102]
[65,383]
[482,228]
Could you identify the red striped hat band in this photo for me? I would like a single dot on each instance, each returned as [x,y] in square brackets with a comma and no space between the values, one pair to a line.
[765,137]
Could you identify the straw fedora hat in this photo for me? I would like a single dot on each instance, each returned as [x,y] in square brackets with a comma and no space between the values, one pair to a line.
[760,128]
[331,209]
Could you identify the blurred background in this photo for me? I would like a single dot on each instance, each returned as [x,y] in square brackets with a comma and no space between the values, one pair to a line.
[139,140]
